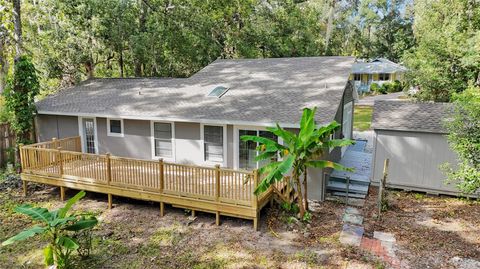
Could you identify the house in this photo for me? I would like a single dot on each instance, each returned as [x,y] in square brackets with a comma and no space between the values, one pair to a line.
[412,136]
[379,71]
[199,120]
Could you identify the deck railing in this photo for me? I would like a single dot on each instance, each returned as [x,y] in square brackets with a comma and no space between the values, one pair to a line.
[63,160]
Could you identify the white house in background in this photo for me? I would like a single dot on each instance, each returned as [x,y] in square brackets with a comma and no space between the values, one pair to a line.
[379,71]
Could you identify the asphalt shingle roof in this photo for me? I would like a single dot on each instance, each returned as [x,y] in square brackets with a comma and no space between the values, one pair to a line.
[377,66]
[261,92]
[410,116]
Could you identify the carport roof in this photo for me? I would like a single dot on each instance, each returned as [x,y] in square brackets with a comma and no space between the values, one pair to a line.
[411,116]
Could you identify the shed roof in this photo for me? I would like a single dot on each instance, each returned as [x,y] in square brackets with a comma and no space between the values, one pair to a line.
[261,92]
[410,116]
[376,66]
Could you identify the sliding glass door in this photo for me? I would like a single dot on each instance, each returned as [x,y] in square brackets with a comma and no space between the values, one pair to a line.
[247,149]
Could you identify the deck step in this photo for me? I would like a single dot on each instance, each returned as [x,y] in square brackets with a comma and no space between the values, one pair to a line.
[355,180]
[342,187]
[350,195]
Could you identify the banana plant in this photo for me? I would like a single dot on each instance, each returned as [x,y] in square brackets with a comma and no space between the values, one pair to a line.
[297,153]
[58,226]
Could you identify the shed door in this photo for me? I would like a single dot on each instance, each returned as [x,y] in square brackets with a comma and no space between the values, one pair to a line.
[347,123]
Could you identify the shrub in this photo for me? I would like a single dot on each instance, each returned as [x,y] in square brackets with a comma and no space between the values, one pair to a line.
[374,87]
[63,231]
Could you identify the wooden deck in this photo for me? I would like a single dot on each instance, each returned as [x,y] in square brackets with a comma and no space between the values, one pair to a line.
[208,189]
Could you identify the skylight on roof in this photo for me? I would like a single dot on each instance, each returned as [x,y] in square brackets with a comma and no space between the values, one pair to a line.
[218,91]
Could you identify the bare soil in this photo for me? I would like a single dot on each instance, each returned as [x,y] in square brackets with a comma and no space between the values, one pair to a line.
[430,230]
[133,235]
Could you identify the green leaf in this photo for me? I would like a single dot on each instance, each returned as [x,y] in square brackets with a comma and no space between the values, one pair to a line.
[328,164]
[307,125]
[288,137]
[61,221]
[82,224]
[276,174]
[24,235]
[338,143]
[67,243]
[266,156]
[62,212]
[36,213]
[48,255]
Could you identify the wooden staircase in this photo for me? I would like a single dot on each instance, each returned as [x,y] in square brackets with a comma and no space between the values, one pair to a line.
[284,192]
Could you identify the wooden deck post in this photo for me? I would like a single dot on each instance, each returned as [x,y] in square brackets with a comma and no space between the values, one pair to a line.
[59,161]
[109,178]
[109,168]
[54,143]
[22,164]
[110,202]
[162,209]
[62,193]
[255,200]
[217,192]
[25,186]
[193,213]
[161,172]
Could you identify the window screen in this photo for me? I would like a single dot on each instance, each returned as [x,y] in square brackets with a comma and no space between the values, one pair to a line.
[163,139]
[116,126]
[213,137]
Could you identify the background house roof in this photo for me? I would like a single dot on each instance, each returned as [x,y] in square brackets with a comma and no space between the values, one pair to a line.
[409,116]
[376,66]
[261,92]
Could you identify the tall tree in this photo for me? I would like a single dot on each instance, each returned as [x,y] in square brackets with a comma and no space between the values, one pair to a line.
[447,55]
[20,96]
[17,22]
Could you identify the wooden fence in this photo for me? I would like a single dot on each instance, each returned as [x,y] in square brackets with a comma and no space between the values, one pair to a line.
[210,189]
[7,144]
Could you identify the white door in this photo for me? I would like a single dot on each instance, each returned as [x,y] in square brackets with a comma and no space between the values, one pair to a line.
[89,140]
[347,123]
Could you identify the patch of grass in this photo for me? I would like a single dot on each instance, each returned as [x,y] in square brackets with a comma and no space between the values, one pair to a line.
[418,196]
[167,236]
[362,118]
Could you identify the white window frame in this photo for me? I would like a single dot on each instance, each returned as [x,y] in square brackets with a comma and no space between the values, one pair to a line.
[236,141]
[81,133]
[109,133]
[359,77]
[202,139]
[152,141]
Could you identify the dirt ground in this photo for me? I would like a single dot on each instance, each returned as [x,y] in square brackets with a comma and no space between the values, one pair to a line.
[429,231]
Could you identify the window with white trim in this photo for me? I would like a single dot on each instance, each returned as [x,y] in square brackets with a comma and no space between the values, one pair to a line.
[163,139]
[114,127]
[213,143]
[383,76]
[357,77]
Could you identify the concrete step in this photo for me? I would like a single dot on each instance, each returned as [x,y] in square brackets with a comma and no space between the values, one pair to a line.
[355,180]
[350,195]
[342,187]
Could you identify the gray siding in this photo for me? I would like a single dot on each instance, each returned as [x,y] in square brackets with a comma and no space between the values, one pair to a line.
[188,146]
[50,126]
[414,160]
[135,143]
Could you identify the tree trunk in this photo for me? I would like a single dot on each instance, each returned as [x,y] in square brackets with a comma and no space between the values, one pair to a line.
[3,63]
[328,35]
[17,23]
[120,62]
[296,178]
[142,29]
[305,189]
